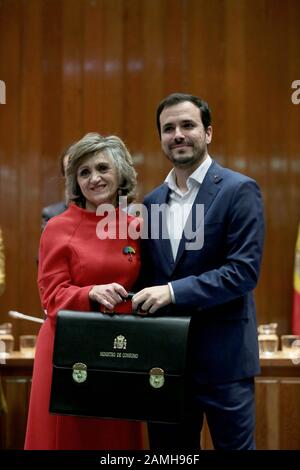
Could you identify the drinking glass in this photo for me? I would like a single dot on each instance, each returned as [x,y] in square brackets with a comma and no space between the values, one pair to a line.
[27,345]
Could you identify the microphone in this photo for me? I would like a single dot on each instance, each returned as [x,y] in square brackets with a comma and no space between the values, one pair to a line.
[14,314]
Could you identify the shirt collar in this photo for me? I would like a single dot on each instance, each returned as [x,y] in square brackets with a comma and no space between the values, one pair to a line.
[197,176]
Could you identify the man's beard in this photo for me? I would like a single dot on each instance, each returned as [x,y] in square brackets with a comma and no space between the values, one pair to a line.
[188,161]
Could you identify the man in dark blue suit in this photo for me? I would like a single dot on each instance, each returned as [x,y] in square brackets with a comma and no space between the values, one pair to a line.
[202,257]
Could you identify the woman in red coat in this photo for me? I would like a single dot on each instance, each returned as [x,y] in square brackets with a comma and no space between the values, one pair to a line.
[80,268]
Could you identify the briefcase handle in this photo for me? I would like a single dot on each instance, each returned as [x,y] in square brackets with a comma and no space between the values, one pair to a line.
[134,312]
[95,305]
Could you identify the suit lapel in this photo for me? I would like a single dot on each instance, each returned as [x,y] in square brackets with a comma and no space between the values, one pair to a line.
[206,194]
[162,244]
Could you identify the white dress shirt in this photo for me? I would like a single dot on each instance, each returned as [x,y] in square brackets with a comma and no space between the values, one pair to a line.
[180,205]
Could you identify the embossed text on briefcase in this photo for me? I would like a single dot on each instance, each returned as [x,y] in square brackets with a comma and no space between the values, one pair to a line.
[120,366]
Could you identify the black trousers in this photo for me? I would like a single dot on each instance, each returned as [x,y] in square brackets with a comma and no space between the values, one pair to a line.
[230,413]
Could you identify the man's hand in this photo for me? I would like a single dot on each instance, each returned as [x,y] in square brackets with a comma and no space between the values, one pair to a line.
[151,299]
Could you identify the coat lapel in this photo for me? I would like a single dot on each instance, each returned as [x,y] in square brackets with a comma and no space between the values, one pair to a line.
[162,244]
[206,194]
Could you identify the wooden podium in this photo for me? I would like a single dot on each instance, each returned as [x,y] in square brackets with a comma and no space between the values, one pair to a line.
[277,403]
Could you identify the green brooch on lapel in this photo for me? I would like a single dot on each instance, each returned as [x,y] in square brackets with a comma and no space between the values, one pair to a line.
[129,251]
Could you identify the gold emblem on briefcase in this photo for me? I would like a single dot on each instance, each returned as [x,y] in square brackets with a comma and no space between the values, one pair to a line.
[120,342]
[79,372]
[157,377]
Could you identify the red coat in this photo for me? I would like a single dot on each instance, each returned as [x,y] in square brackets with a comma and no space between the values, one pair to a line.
[72,260]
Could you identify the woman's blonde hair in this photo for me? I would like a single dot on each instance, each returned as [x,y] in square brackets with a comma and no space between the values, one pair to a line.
[92,144]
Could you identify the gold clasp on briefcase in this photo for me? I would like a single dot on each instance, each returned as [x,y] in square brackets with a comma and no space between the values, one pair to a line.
[79,372]
[157,377]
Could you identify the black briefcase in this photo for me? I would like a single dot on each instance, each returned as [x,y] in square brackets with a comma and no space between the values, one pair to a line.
[120,366]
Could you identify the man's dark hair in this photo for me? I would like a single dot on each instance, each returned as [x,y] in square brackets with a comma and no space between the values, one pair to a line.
[176,98]
[63,154]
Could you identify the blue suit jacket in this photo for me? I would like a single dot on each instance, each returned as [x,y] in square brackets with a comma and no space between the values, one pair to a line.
[214,284]
[51,211]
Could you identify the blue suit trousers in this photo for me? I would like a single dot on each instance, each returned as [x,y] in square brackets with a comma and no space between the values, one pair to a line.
[230,412]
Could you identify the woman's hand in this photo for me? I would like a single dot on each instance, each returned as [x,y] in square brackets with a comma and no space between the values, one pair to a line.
[108,295]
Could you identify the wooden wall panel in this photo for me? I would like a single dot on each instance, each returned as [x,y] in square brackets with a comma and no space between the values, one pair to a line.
[290,413]
[74,66]
[267,413]
[152,89]
[174,45]
[17,391]
[10,187]
[30,136]
[276,176]
[51,102]
[93,50]
[72,69]
[277,413]
[133,123]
